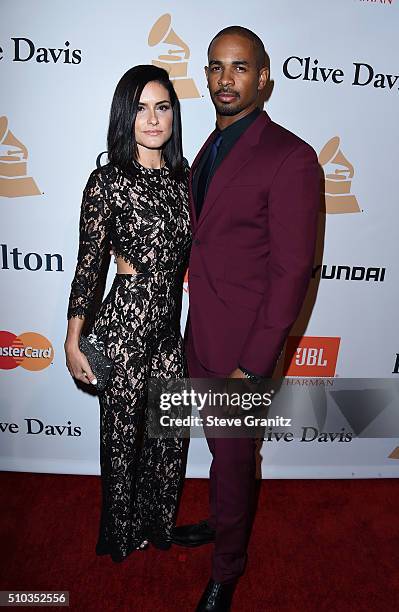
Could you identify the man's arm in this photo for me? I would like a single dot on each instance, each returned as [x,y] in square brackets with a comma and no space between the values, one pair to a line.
[294,202]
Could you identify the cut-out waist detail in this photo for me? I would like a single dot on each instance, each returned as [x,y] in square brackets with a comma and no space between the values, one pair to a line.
[123,266]
[158,276]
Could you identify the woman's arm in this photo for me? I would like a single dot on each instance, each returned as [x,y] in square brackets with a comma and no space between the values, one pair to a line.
[95,215]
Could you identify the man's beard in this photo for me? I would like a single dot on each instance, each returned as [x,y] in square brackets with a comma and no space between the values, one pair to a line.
[227,110]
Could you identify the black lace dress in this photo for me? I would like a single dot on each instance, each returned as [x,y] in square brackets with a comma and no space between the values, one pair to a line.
[145,216]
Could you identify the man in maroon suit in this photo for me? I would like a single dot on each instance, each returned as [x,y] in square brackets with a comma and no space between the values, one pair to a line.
[254,194]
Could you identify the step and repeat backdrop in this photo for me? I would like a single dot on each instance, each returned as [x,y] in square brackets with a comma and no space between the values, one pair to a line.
[335,82]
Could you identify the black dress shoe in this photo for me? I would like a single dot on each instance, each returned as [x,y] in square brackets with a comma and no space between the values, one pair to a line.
[193,535]
[216,597]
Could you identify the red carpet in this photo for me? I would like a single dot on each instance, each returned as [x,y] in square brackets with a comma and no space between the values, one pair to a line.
[320,545]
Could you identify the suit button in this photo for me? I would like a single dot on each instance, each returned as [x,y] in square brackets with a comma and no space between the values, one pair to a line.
[196,242]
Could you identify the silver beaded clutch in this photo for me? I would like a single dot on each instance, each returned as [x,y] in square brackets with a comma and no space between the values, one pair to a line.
[100,364]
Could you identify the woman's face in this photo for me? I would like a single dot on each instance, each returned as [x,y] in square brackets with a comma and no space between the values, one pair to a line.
[154,120]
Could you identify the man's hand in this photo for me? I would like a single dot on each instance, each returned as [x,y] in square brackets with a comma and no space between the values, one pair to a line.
[230,410]
[237,373]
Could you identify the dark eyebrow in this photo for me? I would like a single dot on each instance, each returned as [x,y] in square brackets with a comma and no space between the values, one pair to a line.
[156,103]
[235,63]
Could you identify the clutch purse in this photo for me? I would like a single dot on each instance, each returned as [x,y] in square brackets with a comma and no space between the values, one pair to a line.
[101,365]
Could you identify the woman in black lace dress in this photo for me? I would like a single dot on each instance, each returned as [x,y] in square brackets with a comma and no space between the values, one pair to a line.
[138,202]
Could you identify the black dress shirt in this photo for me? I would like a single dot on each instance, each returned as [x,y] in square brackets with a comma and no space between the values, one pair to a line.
[230,135]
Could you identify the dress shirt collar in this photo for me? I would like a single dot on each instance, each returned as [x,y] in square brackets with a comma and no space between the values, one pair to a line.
[233,131]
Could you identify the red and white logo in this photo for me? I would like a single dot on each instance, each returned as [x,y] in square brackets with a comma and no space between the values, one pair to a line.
[311,356]
[29,350]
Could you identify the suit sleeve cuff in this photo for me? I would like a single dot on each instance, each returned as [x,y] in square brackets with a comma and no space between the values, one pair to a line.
[250,375]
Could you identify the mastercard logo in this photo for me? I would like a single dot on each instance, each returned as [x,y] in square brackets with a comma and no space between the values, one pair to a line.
[31,351]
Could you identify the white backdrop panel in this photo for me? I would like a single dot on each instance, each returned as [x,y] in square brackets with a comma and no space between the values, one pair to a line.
[60,110]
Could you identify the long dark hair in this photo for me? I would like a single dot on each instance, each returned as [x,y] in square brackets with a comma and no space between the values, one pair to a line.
[121,141]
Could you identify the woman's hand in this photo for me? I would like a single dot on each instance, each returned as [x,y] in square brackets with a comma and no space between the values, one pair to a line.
[77,363]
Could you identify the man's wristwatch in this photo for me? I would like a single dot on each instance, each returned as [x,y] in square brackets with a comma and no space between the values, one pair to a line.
[252,377]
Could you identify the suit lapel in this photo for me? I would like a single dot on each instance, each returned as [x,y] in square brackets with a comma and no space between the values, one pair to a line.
[240,154]
[193,212]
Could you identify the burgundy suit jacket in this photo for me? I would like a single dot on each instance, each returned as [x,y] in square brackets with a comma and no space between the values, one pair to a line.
[253,249]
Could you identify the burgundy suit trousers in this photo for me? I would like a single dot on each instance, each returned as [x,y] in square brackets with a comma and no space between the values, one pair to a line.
[231,490]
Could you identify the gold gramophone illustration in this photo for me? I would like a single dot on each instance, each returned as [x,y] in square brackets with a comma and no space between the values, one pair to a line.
[338,179]
[173,62]
[14,181]
[394,454]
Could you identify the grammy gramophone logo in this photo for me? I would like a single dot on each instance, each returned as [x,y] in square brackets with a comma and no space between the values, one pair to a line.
[14,179]
[176,59]
[338,179]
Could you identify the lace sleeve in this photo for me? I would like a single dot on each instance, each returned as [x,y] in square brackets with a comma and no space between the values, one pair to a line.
[95,215]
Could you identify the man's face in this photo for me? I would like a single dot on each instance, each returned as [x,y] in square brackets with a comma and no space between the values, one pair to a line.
[234,79]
